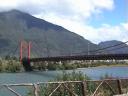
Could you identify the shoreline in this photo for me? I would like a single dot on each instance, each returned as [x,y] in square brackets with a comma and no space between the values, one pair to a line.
[106,66]
[102,66]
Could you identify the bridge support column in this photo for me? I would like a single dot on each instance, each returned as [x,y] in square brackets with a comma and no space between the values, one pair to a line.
[26,64]
[25,47]
[29,51]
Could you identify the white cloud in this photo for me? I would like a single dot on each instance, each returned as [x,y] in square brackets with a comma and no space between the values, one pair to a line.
[80,8]
[113,32]
[103,33]
[73,15]
[106,4]
[125,26]
[7,4]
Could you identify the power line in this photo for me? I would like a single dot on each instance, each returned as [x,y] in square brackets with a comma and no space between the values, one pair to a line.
[116,48]
[101,49]
[122,43]
[36,49]
[13,51]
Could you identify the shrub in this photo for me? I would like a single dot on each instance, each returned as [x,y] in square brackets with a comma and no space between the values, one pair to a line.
[1,68]
[45,90]
[12,66]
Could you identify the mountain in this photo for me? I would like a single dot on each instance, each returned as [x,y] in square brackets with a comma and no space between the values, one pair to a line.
[47,39]
[118,47]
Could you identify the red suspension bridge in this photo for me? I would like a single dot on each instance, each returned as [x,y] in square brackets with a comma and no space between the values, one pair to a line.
[25,55]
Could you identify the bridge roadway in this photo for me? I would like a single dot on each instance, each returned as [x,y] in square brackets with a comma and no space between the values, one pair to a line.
[83,57]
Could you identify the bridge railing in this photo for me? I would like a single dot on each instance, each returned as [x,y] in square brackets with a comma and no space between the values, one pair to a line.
[106,87]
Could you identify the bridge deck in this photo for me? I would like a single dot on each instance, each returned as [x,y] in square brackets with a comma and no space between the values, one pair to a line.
[83,57]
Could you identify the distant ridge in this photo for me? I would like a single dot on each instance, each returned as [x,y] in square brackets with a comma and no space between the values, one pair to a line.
[121,48]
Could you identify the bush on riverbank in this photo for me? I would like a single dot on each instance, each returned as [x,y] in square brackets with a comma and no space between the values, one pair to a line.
[10,65]
[46,89]
[66,65]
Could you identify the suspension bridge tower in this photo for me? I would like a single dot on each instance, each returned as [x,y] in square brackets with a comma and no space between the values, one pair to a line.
[25,53]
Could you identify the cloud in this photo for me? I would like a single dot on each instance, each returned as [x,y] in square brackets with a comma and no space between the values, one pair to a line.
[96,35]
[82,9]
[73,15]
[7,4]
[109,32]
[125,26]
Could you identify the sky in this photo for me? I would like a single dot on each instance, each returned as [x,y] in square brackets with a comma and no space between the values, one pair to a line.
[95,20]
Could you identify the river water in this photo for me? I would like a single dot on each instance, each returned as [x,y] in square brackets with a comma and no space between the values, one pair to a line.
[44,76]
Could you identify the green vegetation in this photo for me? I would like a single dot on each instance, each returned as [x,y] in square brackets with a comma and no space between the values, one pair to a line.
[106,76]
[66,65]
[10,65]
[73,76]
[76,87]
[46,89]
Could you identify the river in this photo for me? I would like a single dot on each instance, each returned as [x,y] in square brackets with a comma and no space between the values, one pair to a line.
[44,76]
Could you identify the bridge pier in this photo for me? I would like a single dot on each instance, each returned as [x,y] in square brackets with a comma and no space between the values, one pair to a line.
[26,64]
